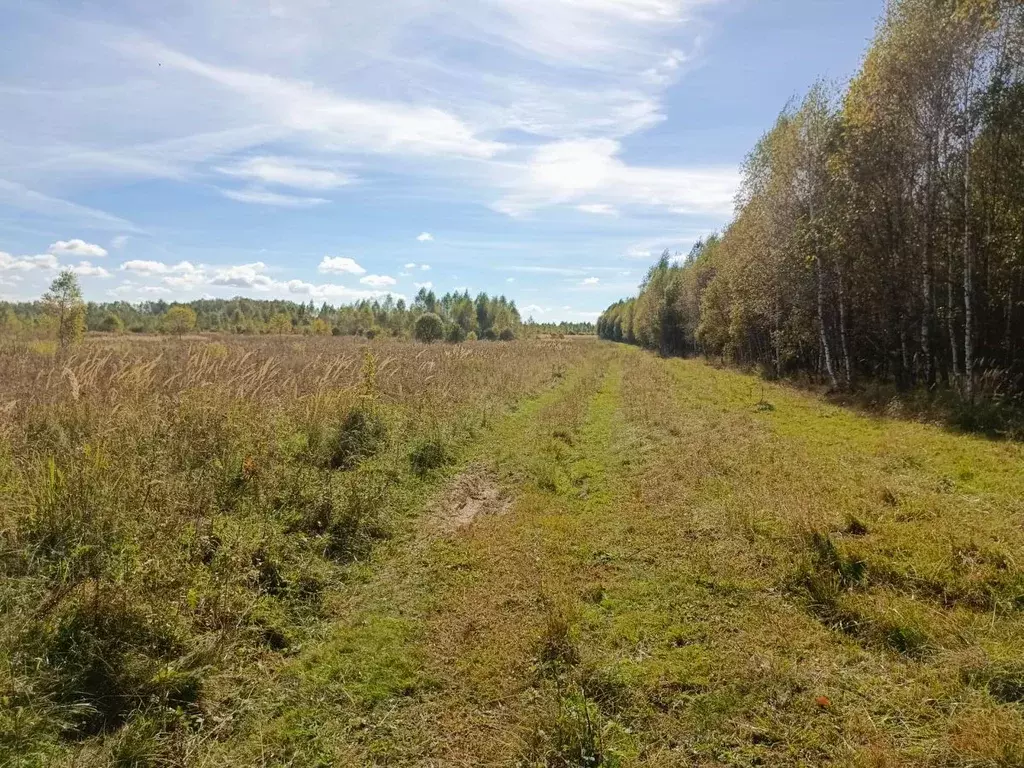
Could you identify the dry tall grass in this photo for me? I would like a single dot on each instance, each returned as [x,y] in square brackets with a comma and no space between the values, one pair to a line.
[174,512]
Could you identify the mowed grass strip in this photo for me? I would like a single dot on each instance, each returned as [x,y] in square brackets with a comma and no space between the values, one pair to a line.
[792,584]
[697,569]
[374,687]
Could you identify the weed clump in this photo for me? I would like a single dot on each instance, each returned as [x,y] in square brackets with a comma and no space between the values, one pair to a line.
[428,454]
[105,660]
[361,435]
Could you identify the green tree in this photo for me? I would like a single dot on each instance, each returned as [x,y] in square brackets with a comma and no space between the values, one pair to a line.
[280,323]
[179,319]
[428,328]
[63,303]
[9,322]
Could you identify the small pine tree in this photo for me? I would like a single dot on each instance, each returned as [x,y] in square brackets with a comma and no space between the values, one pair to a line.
[280,323]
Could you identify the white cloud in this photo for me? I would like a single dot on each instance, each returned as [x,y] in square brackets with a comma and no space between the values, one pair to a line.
[243,276]
[424,267]
[590,281]
[22,198]
[410,265]
[9,263]
[334,291]
[428,285]
[77,248]
[287,172]
[86,269]
[119,242]
[378,281]
[340,265]
[563,172]
[638,252]
[141,267]
[600,209]
[510,279]
[425,237]
[448,100]
[330,119]
[263,197]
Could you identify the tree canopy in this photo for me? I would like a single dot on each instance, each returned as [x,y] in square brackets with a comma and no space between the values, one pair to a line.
[879,232]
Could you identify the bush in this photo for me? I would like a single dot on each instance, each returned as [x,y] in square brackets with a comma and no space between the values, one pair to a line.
[428,328]
[490,335]
[112,324]
[471,336]
[456,334]
[361,435]
[507,334]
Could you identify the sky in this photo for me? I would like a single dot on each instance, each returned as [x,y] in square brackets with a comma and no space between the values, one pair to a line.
[335,150]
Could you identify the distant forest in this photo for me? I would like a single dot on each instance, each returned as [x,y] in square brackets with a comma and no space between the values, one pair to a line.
[483,316]
[879,232]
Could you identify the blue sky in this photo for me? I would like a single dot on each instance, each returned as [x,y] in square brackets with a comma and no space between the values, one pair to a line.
[334,150]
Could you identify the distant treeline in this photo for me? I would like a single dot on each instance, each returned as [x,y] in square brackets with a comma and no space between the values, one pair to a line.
[879,234]
[461,315]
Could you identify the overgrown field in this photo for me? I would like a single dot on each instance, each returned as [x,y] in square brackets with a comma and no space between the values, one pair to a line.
[531,554]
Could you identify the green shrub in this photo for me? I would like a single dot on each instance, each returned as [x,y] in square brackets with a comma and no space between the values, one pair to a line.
[507,334]
[455,334]
[428,328]
[361,435]
[471,336]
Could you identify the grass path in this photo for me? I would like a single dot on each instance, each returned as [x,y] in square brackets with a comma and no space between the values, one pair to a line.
[696,569]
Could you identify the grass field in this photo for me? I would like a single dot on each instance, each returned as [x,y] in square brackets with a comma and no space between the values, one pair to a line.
[546,553]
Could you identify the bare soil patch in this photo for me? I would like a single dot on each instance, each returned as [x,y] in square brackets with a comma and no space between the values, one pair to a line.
[474,493]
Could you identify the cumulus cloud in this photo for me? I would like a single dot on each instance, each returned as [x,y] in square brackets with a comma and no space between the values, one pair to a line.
[424,267]
[334,291]
[378,281]
[425,237]
[77,248]
[9,263]
[340,265]
[243,276]
[87,269]
[590,281]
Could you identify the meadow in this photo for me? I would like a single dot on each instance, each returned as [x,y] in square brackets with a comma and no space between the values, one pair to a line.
[312,551]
